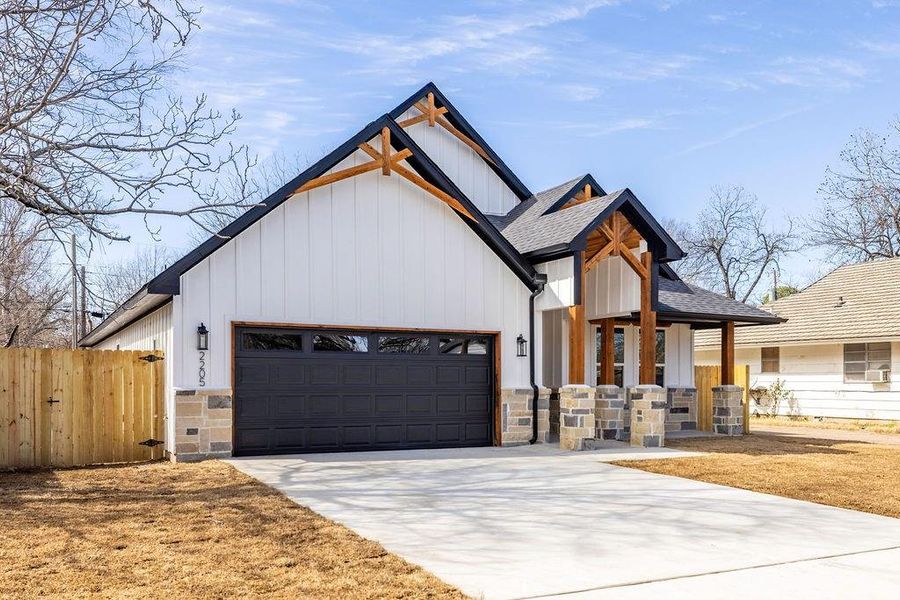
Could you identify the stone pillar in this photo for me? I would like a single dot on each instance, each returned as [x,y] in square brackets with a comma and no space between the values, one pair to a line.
[728,409]
[543,414]
[609,412]
[203,421]
[648,416]
[576,416]
[515,416]
[681,414]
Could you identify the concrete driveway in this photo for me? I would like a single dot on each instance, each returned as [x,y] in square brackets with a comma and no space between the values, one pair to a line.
[534,522]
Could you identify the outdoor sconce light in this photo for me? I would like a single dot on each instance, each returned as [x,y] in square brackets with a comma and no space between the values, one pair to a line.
[521,347]
[202,337]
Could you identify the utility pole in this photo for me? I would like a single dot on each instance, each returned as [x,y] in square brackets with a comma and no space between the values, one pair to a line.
[74,296]
[84,318]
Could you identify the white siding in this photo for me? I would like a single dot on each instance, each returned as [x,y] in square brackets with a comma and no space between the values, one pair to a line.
[555,344]
[370,250]
[560,289]
[463,166]
[152,332]
[815,373]
[612,288]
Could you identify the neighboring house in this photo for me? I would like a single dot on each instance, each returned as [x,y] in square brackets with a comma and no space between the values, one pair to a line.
[838,352]
[408,291]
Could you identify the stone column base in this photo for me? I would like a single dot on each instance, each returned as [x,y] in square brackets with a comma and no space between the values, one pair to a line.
[203,421]
[728,409]
[609,412]
[576,416]
[543,415]
[648,416]
[681,414]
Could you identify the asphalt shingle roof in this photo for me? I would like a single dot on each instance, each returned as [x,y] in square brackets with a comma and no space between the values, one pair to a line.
[854,302]
[529,229]
[680,297]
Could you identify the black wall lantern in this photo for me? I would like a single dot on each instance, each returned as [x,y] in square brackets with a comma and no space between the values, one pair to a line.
[521,346]
[202,337]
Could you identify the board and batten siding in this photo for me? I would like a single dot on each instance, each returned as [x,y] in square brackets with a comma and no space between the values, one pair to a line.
[154,331]
[815,373]
[369,251]
[463,166]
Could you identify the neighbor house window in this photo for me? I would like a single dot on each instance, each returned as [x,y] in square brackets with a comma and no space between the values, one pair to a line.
[618,357]
[771,360]
[859,358]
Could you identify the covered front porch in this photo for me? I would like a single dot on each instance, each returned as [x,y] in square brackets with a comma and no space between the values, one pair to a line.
[617,343]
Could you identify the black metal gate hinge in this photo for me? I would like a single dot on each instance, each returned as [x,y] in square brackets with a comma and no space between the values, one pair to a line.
[150,443]
[151,358]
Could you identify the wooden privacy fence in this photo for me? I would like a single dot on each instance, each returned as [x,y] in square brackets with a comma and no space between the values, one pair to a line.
[61,407]
[707,377]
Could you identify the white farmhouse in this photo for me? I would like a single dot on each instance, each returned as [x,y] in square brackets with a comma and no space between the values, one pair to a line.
[409,291]
[838,351]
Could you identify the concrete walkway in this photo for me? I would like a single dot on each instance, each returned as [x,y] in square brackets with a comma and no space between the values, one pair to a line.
[868,437]
[535,522]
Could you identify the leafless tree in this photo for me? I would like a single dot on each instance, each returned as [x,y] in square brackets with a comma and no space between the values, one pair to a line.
[730,246]
[248,183]
[111,285]
[88,127]
[33,307]
[860,215]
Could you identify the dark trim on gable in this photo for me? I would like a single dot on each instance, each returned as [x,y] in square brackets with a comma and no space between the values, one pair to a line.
[577,284]
[587,179]
[691,317]
[457,120]
[484,228]
[167,282]
[664,248]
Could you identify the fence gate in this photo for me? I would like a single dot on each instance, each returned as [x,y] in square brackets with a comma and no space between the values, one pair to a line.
[61,407]
[708,376]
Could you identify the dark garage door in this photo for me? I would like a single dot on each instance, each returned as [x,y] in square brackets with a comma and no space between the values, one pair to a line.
[331,390]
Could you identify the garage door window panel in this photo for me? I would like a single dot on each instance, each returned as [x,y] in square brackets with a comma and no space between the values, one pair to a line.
[392,344]
[271,341]
[460,345]
[336,342]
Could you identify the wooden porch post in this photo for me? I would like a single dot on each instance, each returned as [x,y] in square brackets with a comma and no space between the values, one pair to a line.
[607,351]
[647,373]
[728,353]
[576,331]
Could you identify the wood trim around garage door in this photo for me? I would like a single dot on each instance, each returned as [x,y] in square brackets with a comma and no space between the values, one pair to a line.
[497,408]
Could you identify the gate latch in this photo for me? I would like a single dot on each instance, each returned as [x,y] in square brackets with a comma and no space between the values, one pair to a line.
[151,358]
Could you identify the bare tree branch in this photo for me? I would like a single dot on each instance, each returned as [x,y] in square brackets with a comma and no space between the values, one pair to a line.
[729,246]
[860,214]
[32,309]
[88,130]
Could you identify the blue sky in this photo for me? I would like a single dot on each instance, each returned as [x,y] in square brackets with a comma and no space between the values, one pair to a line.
[666,97]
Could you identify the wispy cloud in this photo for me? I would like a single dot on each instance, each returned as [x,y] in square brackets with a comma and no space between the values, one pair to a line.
[815,71]
[742,129]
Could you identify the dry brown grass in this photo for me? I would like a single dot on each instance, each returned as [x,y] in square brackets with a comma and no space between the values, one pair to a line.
[852,475]
[191,530]
[841,424]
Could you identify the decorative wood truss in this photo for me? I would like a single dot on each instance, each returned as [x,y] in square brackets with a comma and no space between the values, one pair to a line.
[389,163]
[435,116]
[580,197]
[614,237]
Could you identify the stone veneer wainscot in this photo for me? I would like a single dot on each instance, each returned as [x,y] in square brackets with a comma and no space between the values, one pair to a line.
[203,424]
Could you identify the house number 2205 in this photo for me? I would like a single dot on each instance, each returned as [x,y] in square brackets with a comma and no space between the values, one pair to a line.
[201,372]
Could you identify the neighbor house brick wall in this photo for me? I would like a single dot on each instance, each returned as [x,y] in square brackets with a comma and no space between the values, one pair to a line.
[681,409]
[203,424]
